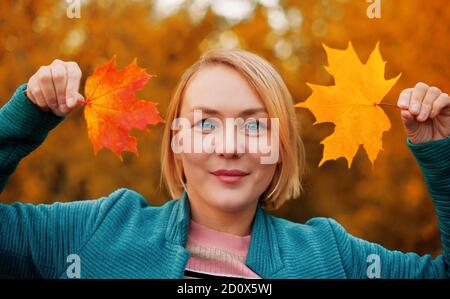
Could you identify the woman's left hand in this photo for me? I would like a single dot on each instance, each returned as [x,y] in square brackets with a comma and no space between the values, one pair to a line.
[425,112]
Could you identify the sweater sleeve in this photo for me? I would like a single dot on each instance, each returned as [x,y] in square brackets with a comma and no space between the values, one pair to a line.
[35,240]
[23,127]
[363,259]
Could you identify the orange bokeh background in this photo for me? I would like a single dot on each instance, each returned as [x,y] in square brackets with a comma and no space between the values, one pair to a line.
[389,205]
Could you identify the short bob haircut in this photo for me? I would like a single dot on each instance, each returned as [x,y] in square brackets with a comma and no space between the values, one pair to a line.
[268,84]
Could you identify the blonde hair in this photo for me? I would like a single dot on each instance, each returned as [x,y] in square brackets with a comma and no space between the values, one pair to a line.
[260,74]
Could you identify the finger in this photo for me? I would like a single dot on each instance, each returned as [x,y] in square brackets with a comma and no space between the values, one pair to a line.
[46,86]
[439,104]
[80,99]
[416,98]
[59,81]
[431,95]
[404,98]
[409,120]
[32,83]
[73,84]
[34,89]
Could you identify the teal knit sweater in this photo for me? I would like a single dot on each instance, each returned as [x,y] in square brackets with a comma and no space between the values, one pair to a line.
[121,236]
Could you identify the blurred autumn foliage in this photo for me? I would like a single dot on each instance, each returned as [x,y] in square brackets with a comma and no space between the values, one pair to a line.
[390,205]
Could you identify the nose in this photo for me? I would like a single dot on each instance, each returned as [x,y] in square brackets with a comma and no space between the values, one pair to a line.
[230,144]
[231,155]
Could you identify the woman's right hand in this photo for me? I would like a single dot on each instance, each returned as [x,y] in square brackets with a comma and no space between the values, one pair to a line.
[55,87]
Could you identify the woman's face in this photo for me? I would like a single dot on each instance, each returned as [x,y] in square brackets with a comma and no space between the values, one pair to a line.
[226,174]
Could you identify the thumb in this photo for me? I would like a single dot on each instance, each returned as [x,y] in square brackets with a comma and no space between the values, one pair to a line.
[73,102]
[80,99]
[409,120]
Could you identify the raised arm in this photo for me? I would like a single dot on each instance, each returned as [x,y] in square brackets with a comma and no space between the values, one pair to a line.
[30,234]
[425,113]
[36,108]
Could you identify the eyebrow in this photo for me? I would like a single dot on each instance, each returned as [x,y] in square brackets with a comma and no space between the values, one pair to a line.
[245,112]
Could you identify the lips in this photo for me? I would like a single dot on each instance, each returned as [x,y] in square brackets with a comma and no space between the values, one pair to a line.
[231,172]
[230,176]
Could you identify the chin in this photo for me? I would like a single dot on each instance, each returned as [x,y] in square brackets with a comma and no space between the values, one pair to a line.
[229,201]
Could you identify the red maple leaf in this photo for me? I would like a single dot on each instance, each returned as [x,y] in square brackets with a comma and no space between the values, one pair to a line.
[112,109]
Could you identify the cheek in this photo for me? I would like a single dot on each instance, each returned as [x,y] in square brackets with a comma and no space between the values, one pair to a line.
[265,148]
[262,173]
[195,166]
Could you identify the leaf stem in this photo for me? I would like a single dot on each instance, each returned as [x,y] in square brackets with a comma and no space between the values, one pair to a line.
[388,105]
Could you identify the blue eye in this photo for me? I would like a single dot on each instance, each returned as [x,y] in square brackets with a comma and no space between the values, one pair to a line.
[254,126]
[205,125]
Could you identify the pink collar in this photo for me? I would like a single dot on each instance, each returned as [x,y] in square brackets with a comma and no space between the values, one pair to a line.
[205,236]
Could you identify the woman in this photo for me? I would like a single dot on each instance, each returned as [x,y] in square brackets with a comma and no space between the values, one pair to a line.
[216,225]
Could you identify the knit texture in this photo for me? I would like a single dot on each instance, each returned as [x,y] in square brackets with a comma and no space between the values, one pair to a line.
[216,254]
[121,236]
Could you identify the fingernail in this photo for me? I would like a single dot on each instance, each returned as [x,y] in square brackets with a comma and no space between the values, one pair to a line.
[403,103]
[414,107]
[70,102]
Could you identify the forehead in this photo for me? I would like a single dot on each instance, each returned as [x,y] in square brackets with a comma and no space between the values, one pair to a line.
[220,88]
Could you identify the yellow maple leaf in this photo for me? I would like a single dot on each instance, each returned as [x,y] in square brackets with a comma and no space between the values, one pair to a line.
[352,104]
